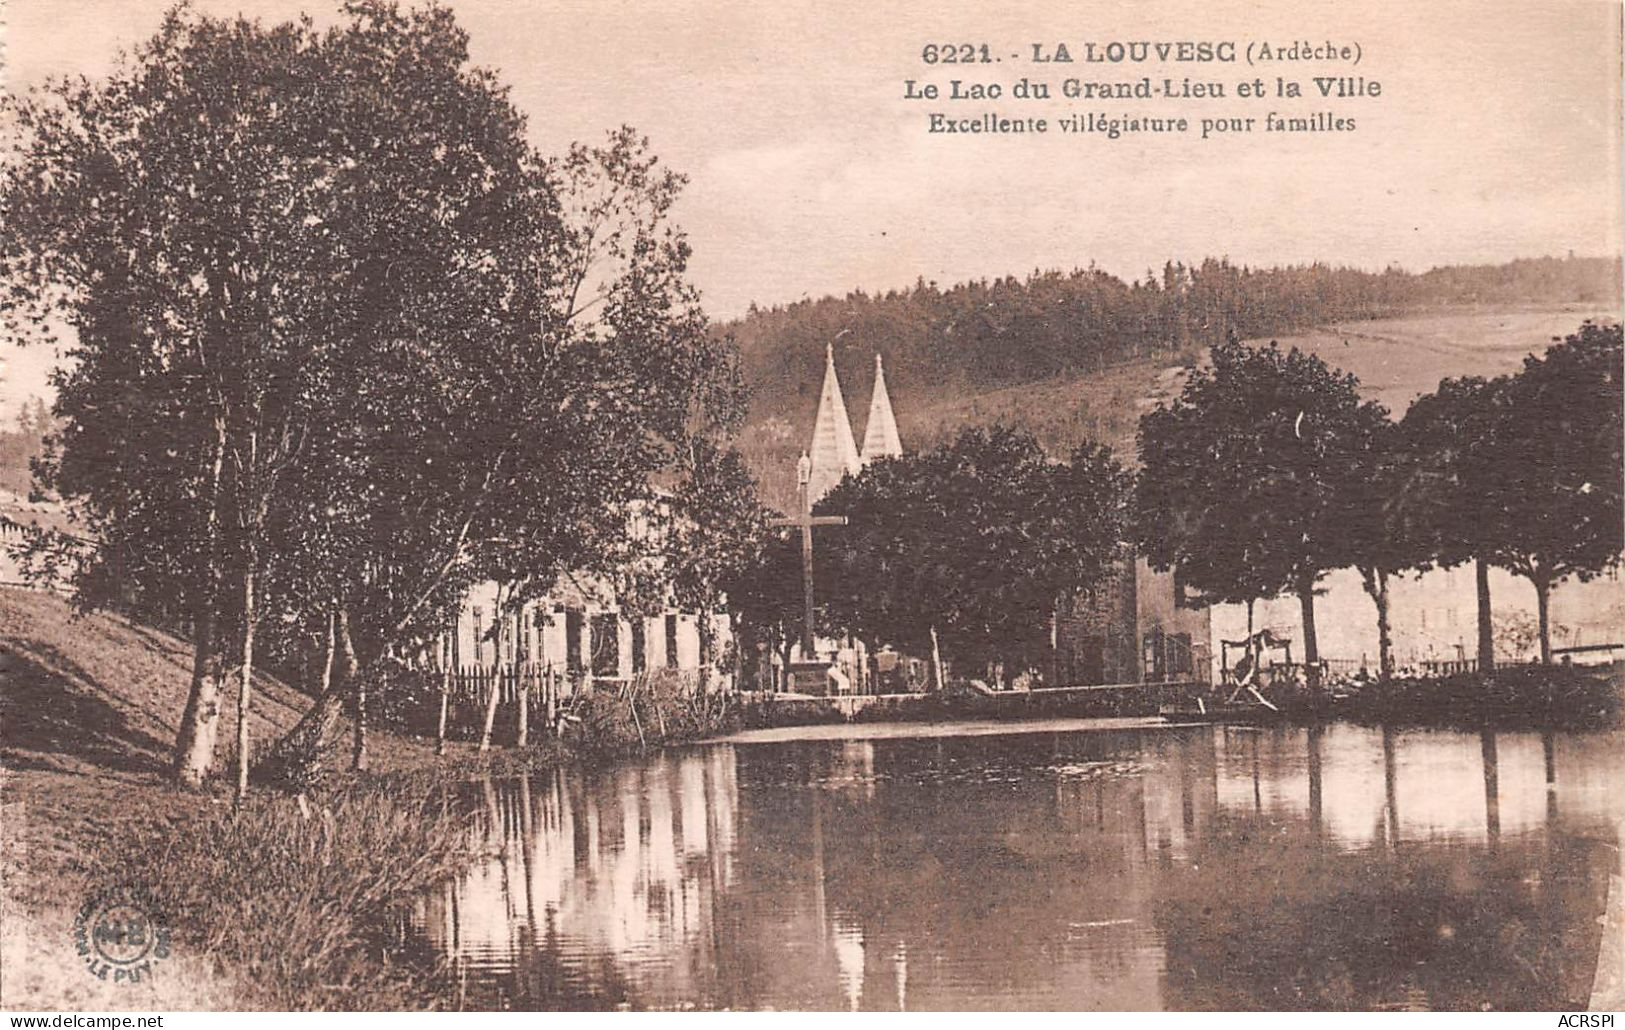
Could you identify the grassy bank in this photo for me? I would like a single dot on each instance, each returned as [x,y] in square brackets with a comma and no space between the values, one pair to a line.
[277,904]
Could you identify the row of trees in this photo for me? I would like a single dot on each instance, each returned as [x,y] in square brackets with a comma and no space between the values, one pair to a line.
[20,446]
[1266,473]
[1269,471]
[344,343]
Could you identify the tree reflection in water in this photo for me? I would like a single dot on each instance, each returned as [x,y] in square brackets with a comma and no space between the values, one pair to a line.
[1193,868]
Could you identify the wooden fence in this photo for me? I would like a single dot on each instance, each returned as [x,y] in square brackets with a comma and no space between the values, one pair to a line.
[527,691]
[510,702]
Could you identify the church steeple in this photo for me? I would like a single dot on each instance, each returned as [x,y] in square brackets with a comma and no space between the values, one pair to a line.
[834,453]
[880,438]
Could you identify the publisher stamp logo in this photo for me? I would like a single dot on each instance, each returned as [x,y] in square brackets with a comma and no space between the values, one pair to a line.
[120,935]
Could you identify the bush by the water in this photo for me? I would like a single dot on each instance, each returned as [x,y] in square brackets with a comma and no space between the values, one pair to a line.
[664,706]
[299,900]
[1548,696]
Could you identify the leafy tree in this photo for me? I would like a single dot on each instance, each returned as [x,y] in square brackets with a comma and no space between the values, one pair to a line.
[171,214]
[1560,474]
[1244,477]
[1450,496]
[972,544]
[715,528]
[345,342]
[1381,536]
[765,597]
[21,446]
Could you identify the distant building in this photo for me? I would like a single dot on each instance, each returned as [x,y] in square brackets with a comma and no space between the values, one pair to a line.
[833,455]
[833,452]
[1132,628]
[1434,618]
[580,633]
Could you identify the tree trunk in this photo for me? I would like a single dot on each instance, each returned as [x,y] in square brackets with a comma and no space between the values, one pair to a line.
[1385,635]
[297,759]
[1375,581]
[936,659]
[1543,607]
[490,708]
[245,688]
[358,752]
[200,723]
[1311,647]
[1486,628]
[1248,651]
[445,694]
[495,679]
[521,684]
[787,647]
[707,635]
[329,656]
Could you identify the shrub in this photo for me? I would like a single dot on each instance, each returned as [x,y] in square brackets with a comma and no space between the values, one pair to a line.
[298,904]
[1547,696]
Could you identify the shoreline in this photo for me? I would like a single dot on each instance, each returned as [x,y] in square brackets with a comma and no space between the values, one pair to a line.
[66,830]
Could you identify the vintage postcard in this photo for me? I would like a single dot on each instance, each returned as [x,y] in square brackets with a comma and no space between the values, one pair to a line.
[720,505]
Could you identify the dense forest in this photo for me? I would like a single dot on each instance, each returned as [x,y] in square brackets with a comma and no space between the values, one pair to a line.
[977,337]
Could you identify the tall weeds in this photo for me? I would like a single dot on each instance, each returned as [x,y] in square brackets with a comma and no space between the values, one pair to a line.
[298,901]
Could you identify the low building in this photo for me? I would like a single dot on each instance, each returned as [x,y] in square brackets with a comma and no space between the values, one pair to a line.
[1133,628]
[579,634]
[1434,619]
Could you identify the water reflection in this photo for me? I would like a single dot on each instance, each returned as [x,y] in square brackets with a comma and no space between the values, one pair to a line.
[1210,867]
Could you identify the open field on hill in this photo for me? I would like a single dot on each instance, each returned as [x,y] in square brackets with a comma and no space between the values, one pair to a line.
[1398,359]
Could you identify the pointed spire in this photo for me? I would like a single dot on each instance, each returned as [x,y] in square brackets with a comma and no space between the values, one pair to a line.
[880,439]
[834,453]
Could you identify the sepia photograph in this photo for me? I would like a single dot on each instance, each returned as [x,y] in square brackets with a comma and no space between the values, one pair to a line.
[722,505]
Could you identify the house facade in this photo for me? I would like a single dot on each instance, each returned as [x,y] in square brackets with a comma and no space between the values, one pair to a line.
[581,635]
[1132,628]
[1434,618]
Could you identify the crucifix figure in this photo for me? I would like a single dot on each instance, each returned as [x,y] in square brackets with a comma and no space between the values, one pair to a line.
[806,520]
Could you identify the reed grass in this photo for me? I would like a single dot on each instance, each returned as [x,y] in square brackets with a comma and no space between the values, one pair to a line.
[302,902]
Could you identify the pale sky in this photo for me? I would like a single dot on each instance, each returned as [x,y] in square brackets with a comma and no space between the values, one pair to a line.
[1498,134]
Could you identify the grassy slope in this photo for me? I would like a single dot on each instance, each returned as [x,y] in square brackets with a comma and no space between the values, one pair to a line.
[89,706]
[1398,359]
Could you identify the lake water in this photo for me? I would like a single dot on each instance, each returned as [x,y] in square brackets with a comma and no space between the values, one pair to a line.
[1055,867]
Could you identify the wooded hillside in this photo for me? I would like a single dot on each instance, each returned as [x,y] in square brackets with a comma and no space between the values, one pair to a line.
[946,348]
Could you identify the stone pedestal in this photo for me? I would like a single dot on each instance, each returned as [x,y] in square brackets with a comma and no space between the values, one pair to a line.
[809,678]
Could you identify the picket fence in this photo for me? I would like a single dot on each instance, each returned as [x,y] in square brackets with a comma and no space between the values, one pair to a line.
[527,689]
[532,692]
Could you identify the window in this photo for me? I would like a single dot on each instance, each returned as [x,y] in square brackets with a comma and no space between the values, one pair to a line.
[1179,654]
[639,645]
[606,645]
[671,641]
[573,621]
